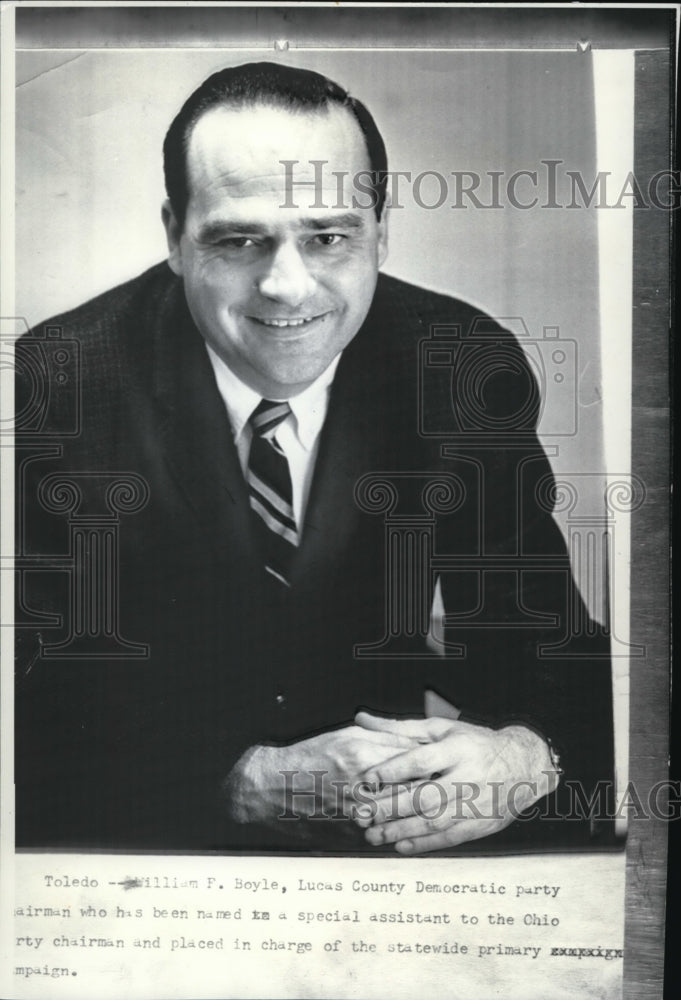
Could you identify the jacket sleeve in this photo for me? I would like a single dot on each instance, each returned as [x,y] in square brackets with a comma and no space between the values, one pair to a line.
[528,651]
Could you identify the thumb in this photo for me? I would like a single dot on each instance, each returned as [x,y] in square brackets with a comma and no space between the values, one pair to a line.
[423,730]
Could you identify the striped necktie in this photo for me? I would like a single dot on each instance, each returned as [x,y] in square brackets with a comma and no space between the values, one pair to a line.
[270,490]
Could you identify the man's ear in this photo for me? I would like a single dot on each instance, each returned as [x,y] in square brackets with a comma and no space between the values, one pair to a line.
[383,232]
[173,235]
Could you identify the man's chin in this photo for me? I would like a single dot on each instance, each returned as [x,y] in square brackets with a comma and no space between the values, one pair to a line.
[286,385]
[279,375]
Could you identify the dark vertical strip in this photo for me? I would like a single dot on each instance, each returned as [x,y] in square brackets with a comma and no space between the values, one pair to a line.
[647,846]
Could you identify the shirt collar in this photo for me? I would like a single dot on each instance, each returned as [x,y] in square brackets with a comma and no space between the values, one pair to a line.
[308,407]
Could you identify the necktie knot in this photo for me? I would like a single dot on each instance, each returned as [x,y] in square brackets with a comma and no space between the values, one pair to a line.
[267,416]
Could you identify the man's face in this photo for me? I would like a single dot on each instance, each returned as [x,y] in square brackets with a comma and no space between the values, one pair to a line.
[276,291]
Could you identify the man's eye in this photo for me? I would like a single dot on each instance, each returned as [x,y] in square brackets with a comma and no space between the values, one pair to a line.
[236,243]
[328,239]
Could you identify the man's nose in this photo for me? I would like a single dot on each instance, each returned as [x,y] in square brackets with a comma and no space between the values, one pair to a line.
[287,279]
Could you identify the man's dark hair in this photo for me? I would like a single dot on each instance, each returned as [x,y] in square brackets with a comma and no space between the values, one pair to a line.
[268,85]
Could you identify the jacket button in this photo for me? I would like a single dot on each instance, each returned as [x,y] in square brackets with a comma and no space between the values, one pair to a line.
[280,699]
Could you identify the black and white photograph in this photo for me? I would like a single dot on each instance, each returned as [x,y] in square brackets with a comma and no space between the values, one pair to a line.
[335,339]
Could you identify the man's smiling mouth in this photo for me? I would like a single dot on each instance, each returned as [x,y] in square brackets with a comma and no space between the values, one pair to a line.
[285,323]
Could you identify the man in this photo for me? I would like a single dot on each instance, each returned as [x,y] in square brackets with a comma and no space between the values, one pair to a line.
[253,389]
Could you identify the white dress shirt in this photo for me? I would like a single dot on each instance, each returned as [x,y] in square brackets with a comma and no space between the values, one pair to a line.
[297,436]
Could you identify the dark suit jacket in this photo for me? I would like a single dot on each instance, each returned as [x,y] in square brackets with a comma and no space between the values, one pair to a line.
[132,752]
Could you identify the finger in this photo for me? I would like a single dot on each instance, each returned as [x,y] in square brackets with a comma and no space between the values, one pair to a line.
[386,790]
[408,828]
[424,730]
[459,833]
[383,810]
[362,814]
[419,762]
[387,739]
[380,724]
[402,803]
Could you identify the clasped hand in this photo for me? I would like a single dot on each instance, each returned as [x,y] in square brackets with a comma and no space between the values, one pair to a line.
[418,784]
[459,782]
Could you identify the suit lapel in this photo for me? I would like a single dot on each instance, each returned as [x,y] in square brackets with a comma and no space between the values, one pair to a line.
[196,437]
[343,454]
[363,408]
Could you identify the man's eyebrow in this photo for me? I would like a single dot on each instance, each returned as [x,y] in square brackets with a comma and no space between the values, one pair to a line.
[342,220]
[221,227]
[214,230]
